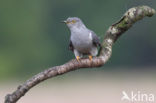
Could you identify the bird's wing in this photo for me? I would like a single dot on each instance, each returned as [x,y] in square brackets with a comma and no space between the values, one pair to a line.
[71,47]
[95,39]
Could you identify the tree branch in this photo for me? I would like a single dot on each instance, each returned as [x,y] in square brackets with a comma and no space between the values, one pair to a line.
[129,18]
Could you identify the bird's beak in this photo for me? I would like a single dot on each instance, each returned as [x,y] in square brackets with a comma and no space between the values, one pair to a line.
[64,21]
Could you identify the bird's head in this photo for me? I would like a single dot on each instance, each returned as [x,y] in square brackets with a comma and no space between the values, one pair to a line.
[73,22]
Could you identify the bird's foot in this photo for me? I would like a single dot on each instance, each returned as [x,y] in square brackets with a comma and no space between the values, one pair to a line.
[78,58]
[90,57]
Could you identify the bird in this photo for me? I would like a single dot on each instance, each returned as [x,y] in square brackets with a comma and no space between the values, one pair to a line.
[83,41]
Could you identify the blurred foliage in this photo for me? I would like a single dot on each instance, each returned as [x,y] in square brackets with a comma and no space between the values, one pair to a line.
[32,37]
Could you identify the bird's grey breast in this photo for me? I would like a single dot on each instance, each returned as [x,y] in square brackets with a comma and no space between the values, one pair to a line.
[82,40]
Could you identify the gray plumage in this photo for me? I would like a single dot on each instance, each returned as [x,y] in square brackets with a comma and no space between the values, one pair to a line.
[82,40]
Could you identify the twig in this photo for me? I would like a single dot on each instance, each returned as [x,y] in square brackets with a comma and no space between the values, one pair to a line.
[129,18]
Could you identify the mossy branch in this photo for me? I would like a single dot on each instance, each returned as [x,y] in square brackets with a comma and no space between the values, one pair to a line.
[129,18]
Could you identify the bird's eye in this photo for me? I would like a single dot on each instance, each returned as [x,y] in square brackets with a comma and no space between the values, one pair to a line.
[73,21]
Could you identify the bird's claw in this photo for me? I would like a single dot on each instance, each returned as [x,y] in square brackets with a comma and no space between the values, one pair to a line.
[78,58]
[90,57]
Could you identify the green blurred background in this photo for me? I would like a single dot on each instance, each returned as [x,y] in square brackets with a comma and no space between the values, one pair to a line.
[33,39]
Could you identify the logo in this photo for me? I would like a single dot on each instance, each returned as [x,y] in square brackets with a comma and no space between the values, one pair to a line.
[137,97]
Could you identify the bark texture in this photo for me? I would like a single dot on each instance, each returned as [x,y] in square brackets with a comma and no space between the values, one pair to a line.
[129,18]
